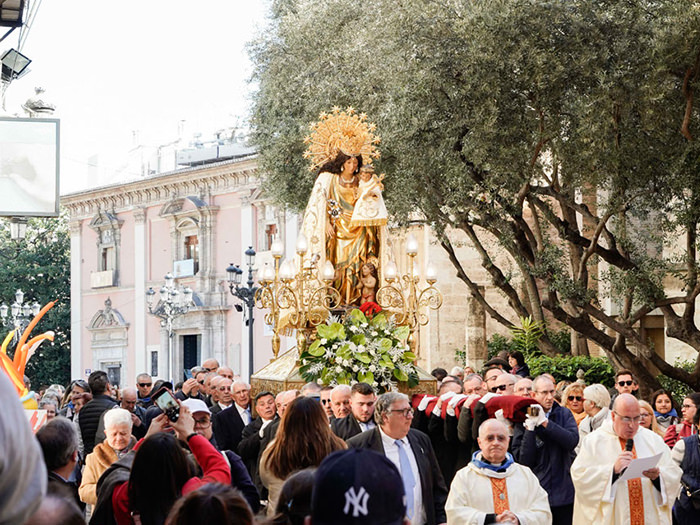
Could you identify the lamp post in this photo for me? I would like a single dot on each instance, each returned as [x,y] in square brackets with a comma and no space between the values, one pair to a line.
[171,305]
[20,313]
[247,296]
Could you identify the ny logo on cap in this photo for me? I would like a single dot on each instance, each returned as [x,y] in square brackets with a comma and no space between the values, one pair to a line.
[358,502]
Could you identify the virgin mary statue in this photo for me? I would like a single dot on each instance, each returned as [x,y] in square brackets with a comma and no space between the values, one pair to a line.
[345,219]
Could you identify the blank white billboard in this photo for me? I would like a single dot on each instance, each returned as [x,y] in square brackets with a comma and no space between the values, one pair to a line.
[29,167]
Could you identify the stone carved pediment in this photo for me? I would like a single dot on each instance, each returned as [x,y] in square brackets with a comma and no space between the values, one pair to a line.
[105,219]
[178,205]
[107,318]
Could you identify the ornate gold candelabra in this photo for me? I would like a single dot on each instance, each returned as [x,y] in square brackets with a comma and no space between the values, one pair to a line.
[403,296]
[296,297]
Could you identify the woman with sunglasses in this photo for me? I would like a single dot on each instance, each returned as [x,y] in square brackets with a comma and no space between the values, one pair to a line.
[573,400]
[664,408]
[685,428]
[76,387]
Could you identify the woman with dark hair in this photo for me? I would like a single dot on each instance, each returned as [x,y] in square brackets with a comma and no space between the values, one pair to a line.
[303,440]
[212,503]
[76,387]
[161,472]
[294,502]
[664,408]
[685,428]
[516,360]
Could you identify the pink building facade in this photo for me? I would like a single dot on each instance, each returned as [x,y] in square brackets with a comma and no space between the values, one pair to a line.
[191,222]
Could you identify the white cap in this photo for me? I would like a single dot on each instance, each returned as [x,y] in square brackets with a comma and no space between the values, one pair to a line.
[196,405]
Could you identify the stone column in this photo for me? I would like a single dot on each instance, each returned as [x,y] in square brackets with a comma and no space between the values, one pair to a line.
[140,314]
[476,332]
[76,327]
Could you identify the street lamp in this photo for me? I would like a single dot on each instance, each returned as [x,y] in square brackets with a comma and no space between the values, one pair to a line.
[20,313]
[247,296]
[171,305]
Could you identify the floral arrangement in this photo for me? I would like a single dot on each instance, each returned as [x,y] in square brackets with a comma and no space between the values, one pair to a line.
[363,348]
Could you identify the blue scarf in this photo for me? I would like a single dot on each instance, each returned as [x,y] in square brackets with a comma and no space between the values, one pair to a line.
[672,413]
[496,468]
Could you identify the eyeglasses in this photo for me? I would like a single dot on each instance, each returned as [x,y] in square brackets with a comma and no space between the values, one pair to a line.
[644,415]
[407,412]
[325,401]
[626,419]
[625,383]
[144,385]
[577,398]
[204,423]
[201,382]
[502,388]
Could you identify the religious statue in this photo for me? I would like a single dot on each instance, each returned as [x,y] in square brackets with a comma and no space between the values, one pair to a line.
[345,218]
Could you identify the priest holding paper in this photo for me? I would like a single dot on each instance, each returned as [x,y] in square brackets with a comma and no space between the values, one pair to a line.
[603,494]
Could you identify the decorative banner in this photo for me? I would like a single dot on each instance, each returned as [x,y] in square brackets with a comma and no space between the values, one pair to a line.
[37,419]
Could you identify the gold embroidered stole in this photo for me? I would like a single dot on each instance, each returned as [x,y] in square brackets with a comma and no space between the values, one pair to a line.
[636,496]
[499,492]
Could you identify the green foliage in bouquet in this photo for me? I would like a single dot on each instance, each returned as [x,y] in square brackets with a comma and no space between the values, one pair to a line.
[360,349]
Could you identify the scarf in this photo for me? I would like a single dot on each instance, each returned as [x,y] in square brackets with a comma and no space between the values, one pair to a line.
[482,463]
[667,415]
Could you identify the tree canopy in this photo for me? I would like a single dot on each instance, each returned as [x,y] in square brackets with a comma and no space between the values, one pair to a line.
[564,130]
[39,265]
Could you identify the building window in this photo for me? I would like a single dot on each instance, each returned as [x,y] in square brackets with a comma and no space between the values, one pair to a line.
[192,250]
[154,363]
[270,234]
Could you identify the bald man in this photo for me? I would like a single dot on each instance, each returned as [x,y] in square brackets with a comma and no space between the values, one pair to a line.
[493,488]
[602,497]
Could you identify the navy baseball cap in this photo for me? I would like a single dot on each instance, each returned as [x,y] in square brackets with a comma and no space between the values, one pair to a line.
[358,487]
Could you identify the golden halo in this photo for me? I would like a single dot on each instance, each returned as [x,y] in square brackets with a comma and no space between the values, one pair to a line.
[341,131]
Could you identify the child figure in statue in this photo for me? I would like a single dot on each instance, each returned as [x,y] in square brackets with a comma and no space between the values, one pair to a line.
[370,209]
[369,281]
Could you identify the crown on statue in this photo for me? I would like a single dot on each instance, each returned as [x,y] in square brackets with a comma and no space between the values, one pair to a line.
[341,132]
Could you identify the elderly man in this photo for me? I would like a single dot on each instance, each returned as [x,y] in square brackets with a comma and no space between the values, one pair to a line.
[601,496]
[252,436]
[223,394]
[59,443]
[545,442]
[493,488]
[230,422]
[410,450]
[340,401]
[225,371]
[523,387]
[362,399]
[138,414]
[210,365]
[504,385]
[240,478]
[474,384]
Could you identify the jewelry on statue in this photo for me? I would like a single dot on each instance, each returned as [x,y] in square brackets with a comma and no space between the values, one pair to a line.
[341,132]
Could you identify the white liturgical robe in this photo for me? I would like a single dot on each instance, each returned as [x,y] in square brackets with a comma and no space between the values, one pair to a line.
[471,497]
[599,501]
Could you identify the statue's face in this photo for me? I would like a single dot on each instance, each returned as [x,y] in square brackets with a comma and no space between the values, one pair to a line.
[350,165]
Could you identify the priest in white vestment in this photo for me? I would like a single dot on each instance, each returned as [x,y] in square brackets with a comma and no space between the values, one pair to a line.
[601,497]
[495,489]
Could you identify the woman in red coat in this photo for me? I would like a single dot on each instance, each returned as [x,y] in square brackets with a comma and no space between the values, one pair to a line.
[161,472]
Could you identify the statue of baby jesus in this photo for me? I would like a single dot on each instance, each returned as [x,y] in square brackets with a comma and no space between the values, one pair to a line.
[370,209]
[368,283]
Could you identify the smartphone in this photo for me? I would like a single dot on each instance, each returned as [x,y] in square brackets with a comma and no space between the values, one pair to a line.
[533,411]
[165,400]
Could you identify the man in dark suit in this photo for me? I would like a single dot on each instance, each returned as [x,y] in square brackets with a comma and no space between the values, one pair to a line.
[362,399]
[221,394]
[92,411]
[230,422]
[252,436]
[410,450]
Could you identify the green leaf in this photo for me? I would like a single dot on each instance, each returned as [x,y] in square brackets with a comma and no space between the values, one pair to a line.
[379,321]
[331,332]
[367,377]
[357,317]
[316,349]
[400,374]
[359,339]
[402,333]
[409,357]
[363,357]
[385,345]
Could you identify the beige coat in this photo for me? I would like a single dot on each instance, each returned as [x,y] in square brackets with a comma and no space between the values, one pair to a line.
[99,460]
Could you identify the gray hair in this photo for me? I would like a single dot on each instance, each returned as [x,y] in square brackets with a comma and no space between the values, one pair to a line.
[384,402]
[311,388]
[117,416]
[341,389]
[49,400]
[59,440]
[597,394]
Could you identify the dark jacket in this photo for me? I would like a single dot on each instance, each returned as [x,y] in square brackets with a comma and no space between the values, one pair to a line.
[90,419]
[60,487]
[346,427]
[432,483]
[250,450]
[240,478]
[549,453]
[228,428]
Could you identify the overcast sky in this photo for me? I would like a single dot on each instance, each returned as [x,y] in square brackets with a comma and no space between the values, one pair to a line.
[113,68]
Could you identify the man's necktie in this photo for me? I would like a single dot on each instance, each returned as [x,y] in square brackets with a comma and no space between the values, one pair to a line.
[409,482]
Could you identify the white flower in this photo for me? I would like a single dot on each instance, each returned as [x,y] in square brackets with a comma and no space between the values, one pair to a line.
[319,381]
[353,328]
[303,361]
[375,384]
[338,360]
[339,369]
[374,333]
[346,362]
[364,325]
[324,341]
[360,348]
[355,368]
[372,368]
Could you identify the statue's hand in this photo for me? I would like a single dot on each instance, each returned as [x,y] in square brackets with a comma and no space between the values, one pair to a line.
[330,230]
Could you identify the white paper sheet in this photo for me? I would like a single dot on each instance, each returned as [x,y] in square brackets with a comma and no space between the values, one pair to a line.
[639,465]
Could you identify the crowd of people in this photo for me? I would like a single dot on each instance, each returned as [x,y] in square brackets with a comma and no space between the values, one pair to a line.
[492,447]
